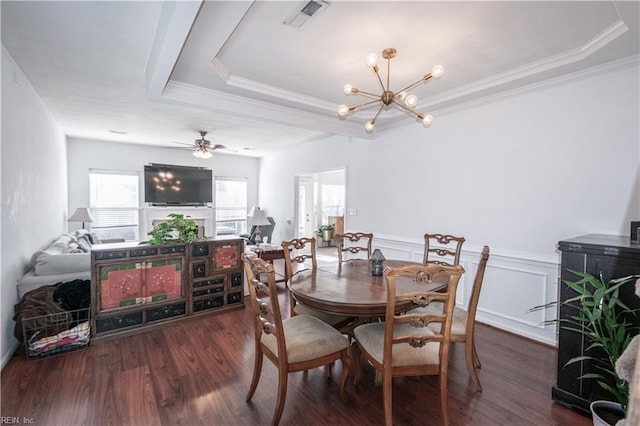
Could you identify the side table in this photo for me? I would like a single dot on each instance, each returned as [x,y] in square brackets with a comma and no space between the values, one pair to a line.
[269,255]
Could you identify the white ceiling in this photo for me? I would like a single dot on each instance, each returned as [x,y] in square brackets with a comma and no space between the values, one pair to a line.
[161,71]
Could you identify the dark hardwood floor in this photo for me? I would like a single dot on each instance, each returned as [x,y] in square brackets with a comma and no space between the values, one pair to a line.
[197,372]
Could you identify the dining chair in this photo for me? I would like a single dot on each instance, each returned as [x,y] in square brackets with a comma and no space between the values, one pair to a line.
[294,344]
[354,243]
[404,345]
[464,320]
[305,250]
[447,248]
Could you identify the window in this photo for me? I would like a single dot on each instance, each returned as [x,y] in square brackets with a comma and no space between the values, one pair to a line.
[113,200]
[231,206]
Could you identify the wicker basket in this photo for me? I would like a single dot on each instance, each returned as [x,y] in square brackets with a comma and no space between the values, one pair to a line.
[52,334]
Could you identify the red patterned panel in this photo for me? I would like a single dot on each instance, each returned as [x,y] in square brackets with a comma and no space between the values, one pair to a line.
[226,256]
[121,286]
[163,282]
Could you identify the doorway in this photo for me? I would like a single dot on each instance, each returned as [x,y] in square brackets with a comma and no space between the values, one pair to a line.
[320,200]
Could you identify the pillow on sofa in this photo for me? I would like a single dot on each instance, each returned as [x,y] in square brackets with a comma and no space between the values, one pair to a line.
[93,238]
[84,244]
[63,241]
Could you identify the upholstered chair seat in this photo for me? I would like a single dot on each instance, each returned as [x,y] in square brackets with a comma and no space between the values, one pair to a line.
[307,338]
[371,339]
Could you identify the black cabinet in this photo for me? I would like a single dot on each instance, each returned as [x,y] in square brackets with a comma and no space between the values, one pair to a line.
[614,257]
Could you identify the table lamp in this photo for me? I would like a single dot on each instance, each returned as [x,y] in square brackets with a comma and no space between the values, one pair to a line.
[82,214]
[258,219]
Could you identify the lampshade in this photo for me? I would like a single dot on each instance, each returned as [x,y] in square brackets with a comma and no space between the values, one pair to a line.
[82,214]
[259,218]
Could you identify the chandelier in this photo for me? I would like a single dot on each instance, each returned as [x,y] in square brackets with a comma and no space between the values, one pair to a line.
[401,100]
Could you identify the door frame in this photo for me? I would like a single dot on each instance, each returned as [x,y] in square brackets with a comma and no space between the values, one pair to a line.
[313,178]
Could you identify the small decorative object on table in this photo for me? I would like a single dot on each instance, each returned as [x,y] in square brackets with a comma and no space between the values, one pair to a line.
[377,263]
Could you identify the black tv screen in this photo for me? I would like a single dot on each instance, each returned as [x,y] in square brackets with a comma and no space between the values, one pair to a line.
[166,184]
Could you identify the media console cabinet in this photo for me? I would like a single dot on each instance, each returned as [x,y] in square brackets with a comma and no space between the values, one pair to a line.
[136,287]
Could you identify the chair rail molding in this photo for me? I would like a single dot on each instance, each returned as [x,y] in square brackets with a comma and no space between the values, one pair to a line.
[514,283]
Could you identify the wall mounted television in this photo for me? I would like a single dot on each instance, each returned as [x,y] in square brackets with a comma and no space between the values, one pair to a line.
[166,184]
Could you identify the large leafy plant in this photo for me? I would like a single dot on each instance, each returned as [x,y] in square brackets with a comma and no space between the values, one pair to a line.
[609,326]
[177,228]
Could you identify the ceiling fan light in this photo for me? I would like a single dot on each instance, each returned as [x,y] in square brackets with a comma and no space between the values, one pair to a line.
[197,154]
[411,101]
[369,126]
[206,154]
[437,71]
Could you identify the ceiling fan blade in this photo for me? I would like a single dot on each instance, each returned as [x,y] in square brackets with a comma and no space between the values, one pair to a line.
[217,146]
[182,143]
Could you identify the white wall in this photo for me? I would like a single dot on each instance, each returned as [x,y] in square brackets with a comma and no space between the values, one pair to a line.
[84,155]
[34,186]
[518,173]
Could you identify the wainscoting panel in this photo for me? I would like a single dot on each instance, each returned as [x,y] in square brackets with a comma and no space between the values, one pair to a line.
[514,283]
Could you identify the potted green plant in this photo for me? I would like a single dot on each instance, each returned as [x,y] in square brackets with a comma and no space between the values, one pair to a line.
[176,228]
[603,319]
[326,232]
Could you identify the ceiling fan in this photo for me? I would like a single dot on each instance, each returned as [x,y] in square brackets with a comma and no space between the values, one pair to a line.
[202,148]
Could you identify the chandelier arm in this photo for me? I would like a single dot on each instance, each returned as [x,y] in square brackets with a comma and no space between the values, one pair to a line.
[377,114]
[371,95]
[366,103]
[379,79]
[412,85]
[406,110]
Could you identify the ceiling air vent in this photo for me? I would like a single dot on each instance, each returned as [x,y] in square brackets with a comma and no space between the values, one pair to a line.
[310,9]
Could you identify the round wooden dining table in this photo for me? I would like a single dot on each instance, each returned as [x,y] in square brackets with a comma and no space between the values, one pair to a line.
[349,288]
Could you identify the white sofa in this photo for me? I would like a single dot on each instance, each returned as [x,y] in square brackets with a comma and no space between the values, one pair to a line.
[67,258]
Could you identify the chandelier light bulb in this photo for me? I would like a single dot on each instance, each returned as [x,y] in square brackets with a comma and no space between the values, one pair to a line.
[347,89]
[427,120]
[411,101]
[343,110]
[372,60]
[402,95]
[369,126]
[437,71]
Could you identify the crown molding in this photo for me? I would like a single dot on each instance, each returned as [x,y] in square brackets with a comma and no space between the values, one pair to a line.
[269,90]
[570,56]
[251,109]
